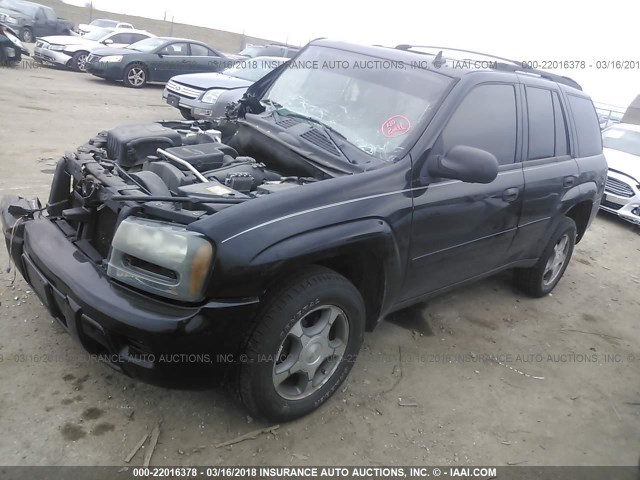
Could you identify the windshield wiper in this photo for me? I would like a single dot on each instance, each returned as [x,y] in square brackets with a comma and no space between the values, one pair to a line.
[328,130]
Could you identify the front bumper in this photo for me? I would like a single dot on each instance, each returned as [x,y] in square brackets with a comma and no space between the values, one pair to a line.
[623,202]
[46,55]
[199,109]
[144,337]
[108,70]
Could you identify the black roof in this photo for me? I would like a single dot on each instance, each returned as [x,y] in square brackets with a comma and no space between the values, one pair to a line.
[440,62]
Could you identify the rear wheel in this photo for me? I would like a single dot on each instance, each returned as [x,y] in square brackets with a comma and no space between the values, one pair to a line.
[303,346]
[542,278]
[135,76]
[79,61]
[26,35]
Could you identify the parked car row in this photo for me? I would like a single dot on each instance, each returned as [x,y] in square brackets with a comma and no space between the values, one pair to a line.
[72,51]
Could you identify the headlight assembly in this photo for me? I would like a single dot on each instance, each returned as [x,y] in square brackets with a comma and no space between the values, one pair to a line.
[161,258]
[56,48]
[11,20]
[111,59]
[211,96]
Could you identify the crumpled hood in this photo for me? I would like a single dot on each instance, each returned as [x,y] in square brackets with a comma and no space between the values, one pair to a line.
[623,162]
[211,80]
[69,40]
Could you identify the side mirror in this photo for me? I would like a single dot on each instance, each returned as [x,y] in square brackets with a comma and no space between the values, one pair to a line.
[108,41]
[469,164]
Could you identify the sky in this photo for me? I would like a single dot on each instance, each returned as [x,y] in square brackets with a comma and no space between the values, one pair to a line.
[541,31]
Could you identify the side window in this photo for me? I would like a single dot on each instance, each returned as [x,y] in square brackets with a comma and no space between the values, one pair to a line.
[180,49]
[50,15]
[485,119]
[541,123]
[136,37]
[40,18]
[587,127]
[124,38]
[198,50]
[562,132]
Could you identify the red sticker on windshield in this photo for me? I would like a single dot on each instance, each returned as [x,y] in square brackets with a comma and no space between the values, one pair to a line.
[396,126]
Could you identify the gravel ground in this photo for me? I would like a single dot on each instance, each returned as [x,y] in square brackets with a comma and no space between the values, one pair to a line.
[566,391]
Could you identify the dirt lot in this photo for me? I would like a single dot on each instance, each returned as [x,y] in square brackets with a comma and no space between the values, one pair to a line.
[457,406]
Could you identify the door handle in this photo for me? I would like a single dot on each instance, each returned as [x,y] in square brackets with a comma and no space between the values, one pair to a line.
[510,194]
[569,181]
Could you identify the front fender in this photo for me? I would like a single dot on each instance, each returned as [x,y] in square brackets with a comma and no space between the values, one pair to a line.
[363,244]
[372,235]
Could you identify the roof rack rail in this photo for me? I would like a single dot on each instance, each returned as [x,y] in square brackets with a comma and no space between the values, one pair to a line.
[508,66]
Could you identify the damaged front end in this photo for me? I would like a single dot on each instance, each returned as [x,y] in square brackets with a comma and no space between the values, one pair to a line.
[112,256]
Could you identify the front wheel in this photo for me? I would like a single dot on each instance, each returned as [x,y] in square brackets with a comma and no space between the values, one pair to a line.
[135,76]
[79,61]
[303,346]
[26,35]
[540,279]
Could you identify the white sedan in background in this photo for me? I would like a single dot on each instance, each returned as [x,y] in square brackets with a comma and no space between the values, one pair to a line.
[98,23]
[72,51]
[622,192]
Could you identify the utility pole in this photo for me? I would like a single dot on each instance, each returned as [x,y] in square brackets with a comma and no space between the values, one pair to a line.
[90,11]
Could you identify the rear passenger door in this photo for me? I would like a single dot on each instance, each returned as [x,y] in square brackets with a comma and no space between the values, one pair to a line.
[550,169]
[205,59]
[463,230]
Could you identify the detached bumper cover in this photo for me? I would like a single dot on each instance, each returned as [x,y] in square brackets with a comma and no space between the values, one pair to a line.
[144,337]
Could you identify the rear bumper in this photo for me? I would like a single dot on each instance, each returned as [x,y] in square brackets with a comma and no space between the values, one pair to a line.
[146,338]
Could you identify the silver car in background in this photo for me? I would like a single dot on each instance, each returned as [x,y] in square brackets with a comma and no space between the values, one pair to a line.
[622,191]
[72,50]
[206,95]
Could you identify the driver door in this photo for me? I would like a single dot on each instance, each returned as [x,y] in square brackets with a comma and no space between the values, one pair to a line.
[174,60]
[464,230]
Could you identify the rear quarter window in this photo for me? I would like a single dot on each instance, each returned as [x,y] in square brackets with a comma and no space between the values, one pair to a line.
[587,126]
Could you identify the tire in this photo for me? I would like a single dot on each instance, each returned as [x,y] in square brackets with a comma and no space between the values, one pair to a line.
[542,278]
[26,35]
[135,76]
[318,308]
[186,114]
[77,62]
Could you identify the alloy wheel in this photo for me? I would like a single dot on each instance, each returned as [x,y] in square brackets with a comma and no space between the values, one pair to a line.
[136,76]
[311,352]
[556,260]
[82,63]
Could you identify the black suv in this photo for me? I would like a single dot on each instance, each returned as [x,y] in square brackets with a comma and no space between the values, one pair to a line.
[32,20]
[342,195]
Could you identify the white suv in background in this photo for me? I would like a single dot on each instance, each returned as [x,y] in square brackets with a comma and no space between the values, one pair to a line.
[98,23]
[72,50]
[621,144]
